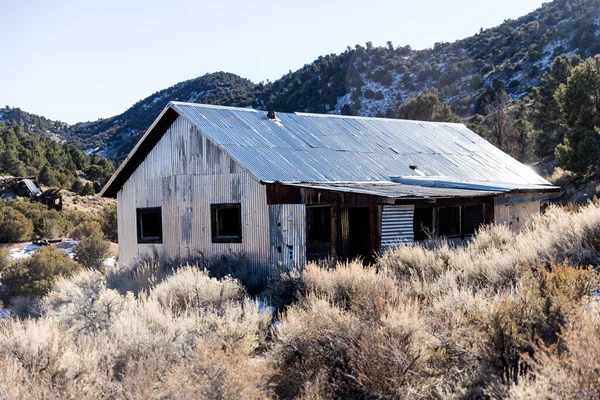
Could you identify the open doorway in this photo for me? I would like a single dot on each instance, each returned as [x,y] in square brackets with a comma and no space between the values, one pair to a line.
[318,232]
[359,234]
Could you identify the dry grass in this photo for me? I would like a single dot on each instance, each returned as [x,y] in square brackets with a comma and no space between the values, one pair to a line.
[92,341]
[508,316]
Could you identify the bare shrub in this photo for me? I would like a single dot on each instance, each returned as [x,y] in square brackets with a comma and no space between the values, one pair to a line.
[313,340]
[363,290]
[83,304]
[216,370]
[567,371]
[284,287]
[324,350]
[536,311]
[52,228]
[190,287]
[235,265]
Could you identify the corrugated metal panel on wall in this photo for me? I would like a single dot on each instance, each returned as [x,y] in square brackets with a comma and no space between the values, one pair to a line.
[184,174]
[397,225]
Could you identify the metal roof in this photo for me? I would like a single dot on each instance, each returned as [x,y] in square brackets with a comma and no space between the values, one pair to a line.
[303,147]
[392,190]
[316,147]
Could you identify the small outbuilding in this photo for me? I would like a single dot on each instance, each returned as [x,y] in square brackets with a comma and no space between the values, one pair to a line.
[288,188]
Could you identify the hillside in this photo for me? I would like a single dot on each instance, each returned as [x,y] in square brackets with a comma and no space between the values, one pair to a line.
[42,156]
[372,81]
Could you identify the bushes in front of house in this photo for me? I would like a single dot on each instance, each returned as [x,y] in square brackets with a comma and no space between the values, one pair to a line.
[91,340]
[507,316]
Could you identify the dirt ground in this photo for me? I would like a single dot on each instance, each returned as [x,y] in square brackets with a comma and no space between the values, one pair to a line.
[90,204]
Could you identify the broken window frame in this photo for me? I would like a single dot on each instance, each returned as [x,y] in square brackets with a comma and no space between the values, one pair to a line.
[460,223]
[142,239]
[216,211]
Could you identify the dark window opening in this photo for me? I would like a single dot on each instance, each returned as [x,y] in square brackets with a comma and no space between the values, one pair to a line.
[423,223]
[472,218]
[318,232]
[149,225]
[449,223]
[226,221]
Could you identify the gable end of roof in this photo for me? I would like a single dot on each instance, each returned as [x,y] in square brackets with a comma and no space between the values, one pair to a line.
[140,152]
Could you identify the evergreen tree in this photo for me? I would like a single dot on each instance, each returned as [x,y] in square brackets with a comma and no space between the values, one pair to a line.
[546,116]
[11,163]
[77,186]
[426,107]
[579,101]
[88,190]
[47,177]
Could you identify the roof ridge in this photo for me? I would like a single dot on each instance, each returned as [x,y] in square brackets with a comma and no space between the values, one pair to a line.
[202,105]
[306,114]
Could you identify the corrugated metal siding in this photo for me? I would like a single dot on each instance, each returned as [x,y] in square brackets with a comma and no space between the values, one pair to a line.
[397,225]
[184,174]
[312,147]
[287,224]
[515,215]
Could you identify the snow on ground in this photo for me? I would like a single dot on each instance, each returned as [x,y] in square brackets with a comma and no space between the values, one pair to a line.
[264,308]
[91,151]
[19,253]
[110,262]
[23,252]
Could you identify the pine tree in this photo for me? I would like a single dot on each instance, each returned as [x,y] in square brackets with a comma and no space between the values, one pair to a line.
[77,186]
[546,116]
[579,101]
[426,107]
[11,163]
[47,177]
[88,190]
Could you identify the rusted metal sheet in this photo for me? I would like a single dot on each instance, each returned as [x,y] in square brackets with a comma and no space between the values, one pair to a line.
[516,216]
[396,225]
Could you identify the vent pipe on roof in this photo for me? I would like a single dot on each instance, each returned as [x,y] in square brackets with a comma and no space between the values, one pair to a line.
[271,114]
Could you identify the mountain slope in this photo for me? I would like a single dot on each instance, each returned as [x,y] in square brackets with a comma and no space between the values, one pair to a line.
[120,133]
[373,81]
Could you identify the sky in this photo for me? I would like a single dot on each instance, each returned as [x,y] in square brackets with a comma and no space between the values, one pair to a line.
[77,61]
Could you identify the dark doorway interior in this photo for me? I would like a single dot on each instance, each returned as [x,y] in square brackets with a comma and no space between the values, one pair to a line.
[359,233]
[423,223]
[318,233]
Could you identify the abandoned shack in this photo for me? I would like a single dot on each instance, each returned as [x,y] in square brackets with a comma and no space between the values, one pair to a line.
[287,188]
